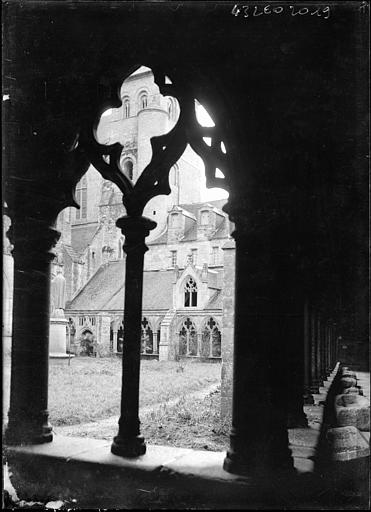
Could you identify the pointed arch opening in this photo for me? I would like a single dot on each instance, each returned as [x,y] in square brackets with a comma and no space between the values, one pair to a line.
[211,339]
[190,293]
[188,339]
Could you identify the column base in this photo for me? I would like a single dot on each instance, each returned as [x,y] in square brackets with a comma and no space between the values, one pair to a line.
[252,457]
[238,466]
[128,447]
[23,434]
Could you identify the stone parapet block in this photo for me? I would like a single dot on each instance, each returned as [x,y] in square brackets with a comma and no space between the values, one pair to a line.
[347,443]
[348,382]
[352,410]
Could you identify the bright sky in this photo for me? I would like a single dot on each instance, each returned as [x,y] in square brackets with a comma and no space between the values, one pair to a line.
[205,120]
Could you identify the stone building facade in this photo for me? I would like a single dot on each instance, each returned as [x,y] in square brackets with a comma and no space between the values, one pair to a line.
[182,292]
[185,249]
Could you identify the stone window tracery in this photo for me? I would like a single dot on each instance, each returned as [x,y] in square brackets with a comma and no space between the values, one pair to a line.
[190,293]
[188,339]
[211,339]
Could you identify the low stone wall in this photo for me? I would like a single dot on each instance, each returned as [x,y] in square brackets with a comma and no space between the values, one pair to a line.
[343,452]
[352,418]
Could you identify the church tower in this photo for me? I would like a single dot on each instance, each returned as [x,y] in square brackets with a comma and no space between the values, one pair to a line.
[144,113]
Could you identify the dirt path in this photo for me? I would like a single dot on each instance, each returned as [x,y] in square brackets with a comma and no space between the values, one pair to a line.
[104,429]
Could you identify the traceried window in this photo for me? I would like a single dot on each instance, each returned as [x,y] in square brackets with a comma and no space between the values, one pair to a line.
[190,293]
[81,197]
[147,338]
[211,340]
[143,101]
[81,320]
[204,218]
[173,258]
[126,105]
[188,339]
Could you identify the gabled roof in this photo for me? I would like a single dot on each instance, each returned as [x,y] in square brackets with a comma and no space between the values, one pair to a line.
[105,291]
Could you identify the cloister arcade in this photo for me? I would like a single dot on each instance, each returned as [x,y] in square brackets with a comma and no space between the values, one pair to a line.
[287,96]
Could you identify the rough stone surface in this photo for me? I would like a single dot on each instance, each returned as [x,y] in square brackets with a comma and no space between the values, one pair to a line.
[348,382]
[347,443]
[353,410]
[228,330]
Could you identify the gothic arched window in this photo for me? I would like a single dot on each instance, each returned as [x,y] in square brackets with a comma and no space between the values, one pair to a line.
[143,101]
[126,105]
[211,340]
[82,198]
[188,339]
[190,293]
[147,338]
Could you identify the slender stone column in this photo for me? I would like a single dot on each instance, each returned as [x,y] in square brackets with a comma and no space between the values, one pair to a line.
[308,397]
[28,411]
[129,442]
[314,343]
[328,368]
[322,334]
[318,348]
[293,326]
[258,439]
[114,341]
[199,341]
[155,343]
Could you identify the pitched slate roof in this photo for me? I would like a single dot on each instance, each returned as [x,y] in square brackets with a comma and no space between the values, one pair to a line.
[82,235]
[106,289]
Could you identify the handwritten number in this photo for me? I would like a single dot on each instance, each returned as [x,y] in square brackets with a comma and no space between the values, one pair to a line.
[236,10]
[363,7]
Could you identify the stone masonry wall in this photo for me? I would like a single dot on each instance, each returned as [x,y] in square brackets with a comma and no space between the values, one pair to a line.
[228,329]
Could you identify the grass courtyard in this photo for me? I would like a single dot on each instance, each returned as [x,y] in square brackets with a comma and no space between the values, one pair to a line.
[179,402]
[89,389]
